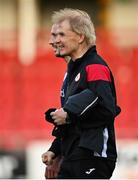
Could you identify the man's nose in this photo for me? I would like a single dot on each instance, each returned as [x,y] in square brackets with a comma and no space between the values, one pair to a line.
[51,41]
[57,39]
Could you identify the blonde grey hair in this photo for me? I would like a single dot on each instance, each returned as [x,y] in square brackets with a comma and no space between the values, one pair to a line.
[80,22]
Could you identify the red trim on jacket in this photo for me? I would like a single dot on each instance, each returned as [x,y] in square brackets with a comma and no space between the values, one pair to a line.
[98,72]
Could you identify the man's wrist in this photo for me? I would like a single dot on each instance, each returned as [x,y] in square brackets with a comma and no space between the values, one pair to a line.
[68,120]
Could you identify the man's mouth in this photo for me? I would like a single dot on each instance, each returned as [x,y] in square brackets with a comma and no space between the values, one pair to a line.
[58,50]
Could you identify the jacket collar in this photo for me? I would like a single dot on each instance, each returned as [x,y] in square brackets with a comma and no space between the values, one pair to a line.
[79,60]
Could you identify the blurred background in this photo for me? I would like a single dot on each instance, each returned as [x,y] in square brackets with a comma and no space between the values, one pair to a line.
[30,80]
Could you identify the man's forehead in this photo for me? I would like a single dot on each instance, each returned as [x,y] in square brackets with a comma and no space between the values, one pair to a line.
[54,27]
[60,25]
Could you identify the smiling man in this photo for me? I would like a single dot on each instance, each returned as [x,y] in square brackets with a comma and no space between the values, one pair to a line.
[52,168]
[85,123]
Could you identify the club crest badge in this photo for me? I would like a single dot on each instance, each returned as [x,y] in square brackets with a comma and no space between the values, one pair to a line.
[77,77]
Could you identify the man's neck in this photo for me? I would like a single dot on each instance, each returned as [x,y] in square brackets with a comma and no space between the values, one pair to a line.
[80,52]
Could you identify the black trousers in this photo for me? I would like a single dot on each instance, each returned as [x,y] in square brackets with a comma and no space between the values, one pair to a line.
[94,168]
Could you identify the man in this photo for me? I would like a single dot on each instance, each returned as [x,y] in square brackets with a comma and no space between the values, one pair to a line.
[85,123]
[52,169]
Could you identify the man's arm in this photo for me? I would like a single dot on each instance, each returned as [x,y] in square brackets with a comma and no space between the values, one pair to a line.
[97,101]
[79,104]
[94,106]
[53,152]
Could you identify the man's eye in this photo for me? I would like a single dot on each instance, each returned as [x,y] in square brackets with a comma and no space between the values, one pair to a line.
[61,34]
[54,35]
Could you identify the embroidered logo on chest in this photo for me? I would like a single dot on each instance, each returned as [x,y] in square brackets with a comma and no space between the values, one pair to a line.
[77,77]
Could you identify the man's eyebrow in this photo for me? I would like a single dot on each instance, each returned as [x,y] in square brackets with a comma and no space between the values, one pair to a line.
[61,33]
[54,34]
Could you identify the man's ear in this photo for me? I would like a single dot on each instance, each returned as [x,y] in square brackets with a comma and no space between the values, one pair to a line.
[81,38]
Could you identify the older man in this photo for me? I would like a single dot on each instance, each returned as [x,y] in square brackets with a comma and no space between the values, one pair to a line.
[85,123]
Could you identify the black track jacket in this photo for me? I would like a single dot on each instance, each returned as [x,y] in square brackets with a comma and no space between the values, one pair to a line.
[90,101]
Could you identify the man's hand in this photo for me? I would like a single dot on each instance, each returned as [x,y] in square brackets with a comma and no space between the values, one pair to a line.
[52,170]
[59,116]
[47,157]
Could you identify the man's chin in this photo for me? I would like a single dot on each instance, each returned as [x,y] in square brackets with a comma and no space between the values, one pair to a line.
[59,55]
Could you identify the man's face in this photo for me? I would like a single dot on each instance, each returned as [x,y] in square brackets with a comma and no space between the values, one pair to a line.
[64,39]
[52,41]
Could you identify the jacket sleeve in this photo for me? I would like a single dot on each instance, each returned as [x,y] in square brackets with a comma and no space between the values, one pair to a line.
[56,147]
[97,103]
[79,103]
[100,81]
